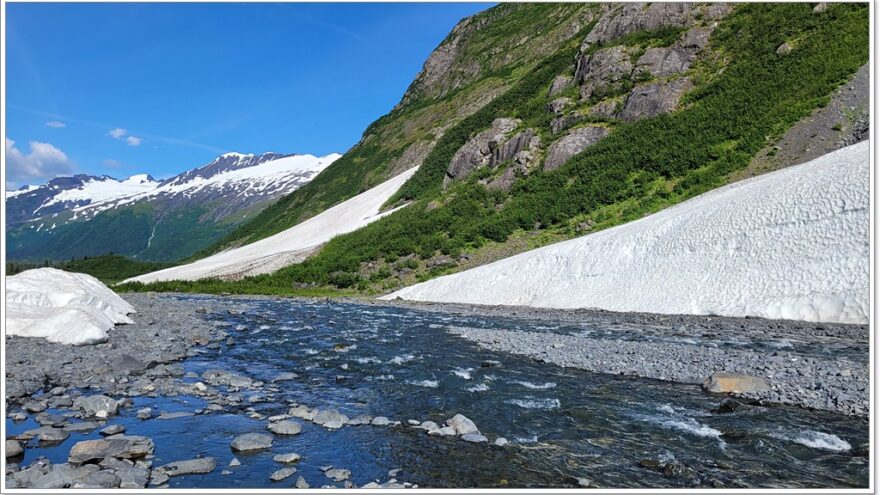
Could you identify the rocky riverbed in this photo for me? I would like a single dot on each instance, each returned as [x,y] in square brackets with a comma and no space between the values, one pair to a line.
[262,392]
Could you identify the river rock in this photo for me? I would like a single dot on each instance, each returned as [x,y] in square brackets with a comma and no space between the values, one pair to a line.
[285,427]
[360,420]
[126,447]
[81,427]
[13,449]
[380,421]
[338,474]
[112,430]
[144,413]
[501,442]
[94,405]
[330,418]
[728,405]
[462,425]
[301,483]
[282,377]
[133,477]
[428,426]
[191,466]
[287,458]
[302,412]
[573,143]
[175,415]
[48,419]
[251,441]
[723,382]
[223,377]
[47,434]
[282,473]
[99,479]
[474,438]
[446,431]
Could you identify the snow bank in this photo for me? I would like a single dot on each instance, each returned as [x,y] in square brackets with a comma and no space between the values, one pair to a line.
[63,307]
[792,244]
[290,246]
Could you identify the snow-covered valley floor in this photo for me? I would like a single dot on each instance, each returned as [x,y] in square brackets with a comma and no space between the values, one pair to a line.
[792,244]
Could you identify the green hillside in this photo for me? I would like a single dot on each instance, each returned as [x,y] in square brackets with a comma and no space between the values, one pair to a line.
[767,66]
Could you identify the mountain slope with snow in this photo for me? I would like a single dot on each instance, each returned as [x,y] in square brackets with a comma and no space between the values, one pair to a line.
[153,220]
[792,244]
[291,245]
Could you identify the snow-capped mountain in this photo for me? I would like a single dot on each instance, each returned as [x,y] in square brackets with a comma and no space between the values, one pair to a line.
[86,215]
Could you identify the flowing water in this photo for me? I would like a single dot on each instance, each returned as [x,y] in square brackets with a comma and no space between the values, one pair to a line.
[563,424]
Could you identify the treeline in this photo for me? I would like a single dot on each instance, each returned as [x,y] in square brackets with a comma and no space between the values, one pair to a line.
[109,268]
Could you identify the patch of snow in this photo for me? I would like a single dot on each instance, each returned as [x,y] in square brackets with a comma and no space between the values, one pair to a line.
[792,244]
[292,245]
[105,189]
[27,189]
[62,307]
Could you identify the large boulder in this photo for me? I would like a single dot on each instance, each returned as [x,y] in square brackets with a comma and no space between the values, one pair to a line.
[191,466]
[96,405]
[477,151]
[462,425]
[13,449]
[736,383]
[604,71]
[623,19]
[652,99]
[285,427]
[571,144]
[560,83]
[663,61]
[251,441]
[126,447]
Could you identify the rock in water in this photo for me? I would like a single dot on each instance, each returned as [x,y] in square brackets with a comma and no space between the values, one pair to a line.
[282,473]
[462,425]
[112,430]
[287,458]
[191,466]
[338,474]
[474,438]
[301,483]
[729,405]
[94,404]
[251,441]
[285,427]
[13,449]
[129,447]
[723,382]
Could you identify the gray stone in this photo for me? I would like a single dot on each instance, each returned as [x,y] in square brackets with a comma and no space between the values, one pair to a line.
[663,61]
[127,447]
[125,363]
[174,415]
[558,105]
[282,377]
[282,473]
[13,449]
[82,426]
[191,466]
[301,483]
[571,144]
[380,421]
[623,19]
[112,430]
[338,474]
[47,419]
[428,426]
[604,71]
[360,420]
[100,479]
[158,478]
[287,458]
[446,431]
[234,462]
[93,405]
[820,8]
[144,413]
[474,438]
[251,441]
[330,418]
[47,434]
[696,38]
[652,99]
[477,151]
[285,427]
[784,49]
[223,377]
[723,382]
[560,83]
[462,425]
[501,442]
[35,406]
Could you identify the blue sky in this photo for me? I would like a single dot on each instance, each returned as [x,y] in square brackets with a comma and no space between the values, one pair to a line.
[120,89]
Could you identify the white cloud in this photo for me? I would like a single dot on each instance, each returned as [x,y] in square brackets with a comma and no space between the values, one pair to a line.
[45,161]
[122,135]
[56,124]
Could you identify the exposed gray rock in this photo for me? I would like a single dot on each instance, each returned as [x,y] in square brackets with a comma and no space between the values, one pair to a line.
[462,425]
[174,415]
[251,441]
[380,421]
[477,151]
[223,377]
[559,104]
[302,412]
[282,377]
[126,447]
[124,364]
[287,458]
[46,419]
[784,49]
[282,473]
[603,71]
[696,38]
[723,382]
[606,108]
[663,61]
[133,477]
[628,18]
[571,144]
[428,426]
[285,427]
[501,442]
[47,434]
[446,431]
[301,483]
[330,418]
[560,83]
[13,449]
[360,420]
[93,405]
[191,466]
[99,479]
[144,413]
[652,99]
[338,474]
[820,8]
[81,427]
[474,438]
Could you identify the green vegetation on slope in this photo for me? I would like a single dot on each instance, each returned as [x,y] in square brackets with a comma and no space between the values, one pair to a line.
[641,167]
[109,268]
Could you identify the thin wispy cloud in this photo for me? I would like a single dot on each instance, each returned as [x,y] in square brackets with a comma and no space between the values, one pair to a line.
[142,135]
[123,135]
[55,124]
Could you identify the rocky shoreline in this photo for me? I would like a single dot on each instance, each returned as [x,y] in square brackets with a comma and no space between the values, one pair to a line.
[92,384]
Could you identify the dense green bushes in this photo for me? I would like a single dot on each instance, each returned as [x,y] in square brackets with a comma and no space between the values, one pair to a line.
[108,268]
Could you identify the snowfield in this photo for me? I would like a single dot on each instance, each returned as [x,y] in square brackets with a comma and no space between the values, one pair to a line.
[290,246]
[792,244]
[63,307]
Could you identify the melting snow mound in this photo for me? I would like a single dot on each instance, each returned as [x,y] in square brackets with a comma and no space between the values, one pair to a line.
[792,244]
[62,307]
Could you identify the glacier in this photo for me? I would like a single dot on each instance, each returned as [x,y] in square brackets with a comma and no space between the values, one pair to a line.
[793,244]
[63,307]
[289,246]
